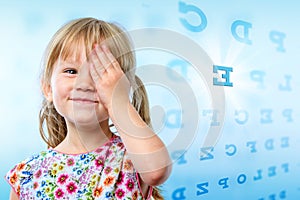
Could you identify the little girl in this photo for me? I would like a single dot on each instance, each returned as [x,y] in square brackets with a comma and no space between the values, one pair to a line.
[88,73]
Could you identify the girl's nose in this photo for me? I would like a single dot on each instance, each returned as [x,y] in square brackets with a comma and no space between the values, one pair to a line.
[84,80]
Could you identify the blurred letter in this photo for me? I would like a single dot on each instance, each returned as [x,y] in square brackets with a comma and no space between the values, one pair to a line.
[244,37]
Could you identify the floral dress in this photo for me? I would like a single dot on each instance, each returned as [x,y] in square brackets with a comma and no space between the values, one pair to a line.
[105,173]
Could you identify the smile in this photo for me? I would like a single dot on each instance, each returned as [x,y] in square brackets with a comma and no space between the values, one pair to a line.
[84,101]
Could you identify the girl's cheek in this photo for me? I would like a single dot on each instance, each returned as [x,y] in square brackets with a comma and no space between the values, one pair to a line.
[62,85]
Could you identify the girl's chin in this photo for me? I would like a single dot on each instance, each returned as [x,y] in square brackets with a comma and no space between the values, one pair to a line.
[89,115]
[87,125]
[88,122]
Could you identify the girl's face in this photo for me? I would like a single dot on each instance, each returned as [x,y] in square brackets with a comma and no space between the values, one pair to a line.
[74,94]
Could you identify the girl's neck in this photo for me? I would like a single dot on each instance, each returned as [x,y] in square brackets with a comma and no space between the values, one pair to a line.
[80,139]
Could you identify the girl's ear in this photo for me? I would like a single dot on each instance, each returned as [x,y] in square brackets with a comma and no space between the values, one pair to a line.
[47,91]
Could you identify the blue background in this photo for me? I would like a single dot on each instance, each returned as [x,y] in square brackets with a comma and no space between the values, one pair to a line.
[256,156]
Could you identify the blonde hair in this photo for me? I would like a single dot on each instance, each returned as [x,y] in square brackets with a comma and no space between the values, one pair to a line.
[65,41]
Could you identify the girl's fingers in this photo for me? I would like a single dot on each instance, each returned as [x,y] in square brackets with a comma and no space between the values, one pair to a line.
[110,57]
[103,62]
[95,76]
[102,56]
[97,64]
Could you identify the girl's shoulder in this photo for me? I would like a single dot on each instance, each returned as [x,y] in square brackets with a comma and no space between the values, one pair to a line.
[50,156]
[32,165]
[108,168]
[23,171]
[31,161]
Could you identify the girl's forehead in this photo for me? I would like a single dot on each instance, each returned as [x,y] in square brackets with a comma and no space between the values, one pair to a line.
[75,53]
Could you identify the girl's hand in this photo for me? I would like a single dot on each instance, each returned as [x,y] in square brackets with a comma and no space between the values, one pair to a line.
[110,81]
[142,144]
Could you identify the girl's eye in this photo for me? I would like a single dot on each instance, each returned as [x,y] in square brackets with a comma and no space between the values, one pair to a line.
[71,71]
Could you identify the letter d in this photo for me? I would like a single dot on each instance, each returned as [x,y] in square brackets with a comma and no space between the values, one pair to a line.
[243,37]
[178,194]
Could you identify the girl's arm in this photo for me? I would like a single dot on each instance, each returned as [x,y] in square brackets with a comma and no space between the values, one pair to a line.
[146,150]
[13,195]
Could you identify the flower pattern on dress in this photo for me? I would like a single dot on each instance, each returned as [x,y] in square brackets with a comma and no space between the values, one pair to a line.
[105,173]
